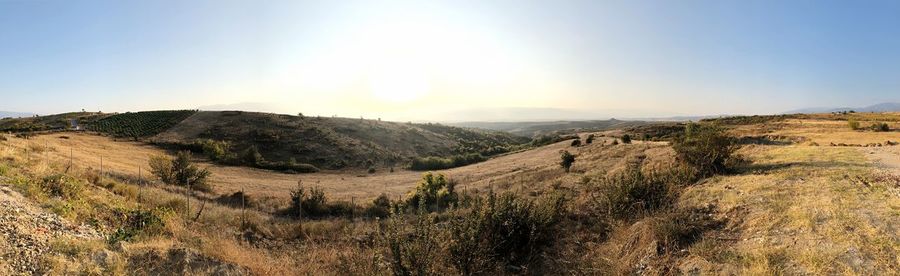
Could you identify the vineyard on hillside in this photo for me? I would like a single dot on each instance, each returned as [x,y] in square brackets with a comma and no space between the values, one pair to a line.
[140,124]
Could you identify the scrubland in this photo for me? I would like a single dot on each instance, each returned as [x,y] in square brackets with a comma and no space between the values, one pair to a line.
[789,203]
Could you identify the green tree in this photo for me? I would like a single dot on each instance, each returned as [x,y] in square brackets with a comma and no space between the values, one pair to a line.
[626,139]
[434,192]
[251,156]
[567,159]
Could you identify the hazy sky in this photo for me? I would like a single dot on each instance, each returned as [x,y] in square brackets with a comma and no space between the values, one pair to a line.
[429,60]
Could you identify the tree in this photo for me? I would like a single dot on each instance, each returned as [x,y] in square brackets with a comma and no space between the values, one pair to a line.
[251,156]
[567,159]
[576,142]
[179,171]
[626,139]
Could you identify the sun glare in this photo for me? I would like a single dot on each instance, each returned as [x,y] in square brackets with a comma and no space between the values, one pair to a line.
[398,84]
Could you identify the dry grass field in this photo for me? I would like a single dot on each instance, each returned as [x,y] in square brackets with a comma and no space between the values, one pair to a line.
[796,205]
[539,167]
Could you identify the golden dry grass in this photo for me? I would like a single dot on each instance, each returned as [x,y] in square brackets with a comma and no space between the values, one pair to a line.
[536,168]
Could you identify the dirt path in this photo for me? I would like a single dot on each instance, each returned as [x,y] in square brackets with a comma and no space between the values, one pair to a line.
[887,158]
[26,231]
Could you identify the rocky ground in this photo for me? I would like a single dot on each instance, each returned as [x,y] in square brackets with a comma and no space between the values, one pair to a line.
[26,231]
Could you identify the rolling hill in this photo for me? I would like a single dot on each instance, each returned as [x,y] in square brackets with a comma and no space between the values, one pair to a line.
[335,142]
[332,143]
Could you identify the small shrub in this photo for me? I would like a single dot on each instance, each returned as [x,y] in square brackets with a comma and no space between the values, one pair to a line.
[311,202]
[502,231]
[633,193]
[567,159]
[704,147]
[380,208]
[614,142]
[679,228]
[180,171]
[215,150]
[626,139]
[60,185]
[854,125]
[237,199]
[252,157]
[432,193]
[371,170]
[576,143]
[412,249]
[881,127]
[589,140]
[136,223]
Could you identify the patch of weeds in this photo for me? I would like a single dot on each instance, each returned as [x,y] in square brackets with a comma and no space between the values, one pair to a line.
[137,223]
[60,185]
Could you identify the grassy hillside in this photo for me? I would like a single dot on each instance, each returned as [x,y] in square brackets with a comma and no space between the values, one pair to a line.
[334,142]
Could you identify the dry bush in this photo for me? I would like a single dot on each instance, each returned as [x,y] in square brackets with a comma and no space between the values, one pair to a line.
[705,147]
[633,193]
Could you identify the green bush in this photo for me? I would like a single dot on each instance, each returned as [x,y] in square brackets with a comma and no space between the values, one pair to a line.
[215,150]
[502,231]
[252,157]
[412,249]
[567,159]
[180,171]
[854,125]
[432,193]
[290,166]
[380,208]
[312,202]
[881,127]
[704,147]
[493,234]
[438,163]
[589,140]
[626,139]
[61,185]
[576,143]
[136,223]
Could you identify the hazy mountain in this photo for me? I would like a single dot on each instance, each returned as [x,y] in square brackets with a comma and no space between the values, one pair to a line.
[7,114]
[882,107]
[530,129]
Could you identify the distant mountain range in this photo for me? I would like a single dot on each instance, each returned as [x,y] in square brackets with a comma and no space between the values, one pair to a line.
[7,114]
[882,107]
[530,129]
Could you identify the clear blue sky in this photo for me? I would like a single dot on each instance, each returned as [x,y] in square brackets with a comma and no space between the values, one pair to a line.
[408,60]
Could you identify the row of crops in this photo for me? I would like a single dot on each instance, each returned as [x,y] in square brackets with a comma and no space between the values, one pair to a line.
[140,124]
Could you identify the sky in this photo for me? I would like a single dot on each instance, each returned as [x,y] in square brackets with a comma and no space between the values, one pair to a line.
[449,60]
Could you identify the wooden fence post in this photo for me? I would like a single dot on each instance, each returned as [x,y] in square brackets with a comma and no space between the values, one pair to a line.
[140,184]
